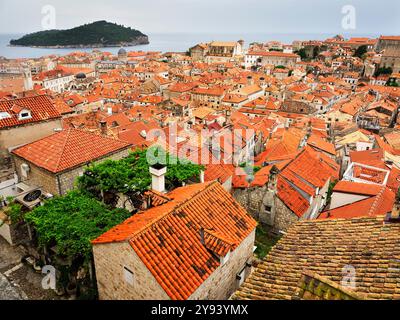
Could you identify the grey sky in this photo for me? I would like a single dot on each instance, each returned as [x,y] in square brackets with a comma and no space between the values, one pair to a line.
[207,16]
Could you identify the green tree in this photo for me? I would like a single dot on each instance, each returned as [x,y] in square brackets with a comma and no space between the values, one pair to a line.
[99,32]
[384,71]
[132,174]
[71,222]
[361,51]
[316,51]
[302,53]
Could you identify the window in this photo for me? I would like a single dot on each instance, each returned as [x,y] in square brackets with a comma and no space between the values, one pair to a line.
[268,209]
[4,115]
[241,276]
[25,114]
[129,277]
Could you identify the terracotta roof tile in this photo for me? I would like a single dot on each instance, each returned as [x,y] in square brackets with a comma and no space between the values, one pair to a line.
[168,240]
[68,149]
[325,247]
[41,108]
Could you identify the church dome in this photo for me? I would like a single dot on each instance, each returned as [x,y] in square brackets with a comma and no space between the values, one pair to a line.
[122,52]
[80,76]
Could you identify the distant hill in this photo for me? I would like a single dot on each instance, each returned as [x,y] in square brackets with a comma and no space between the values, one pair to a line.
[96,34]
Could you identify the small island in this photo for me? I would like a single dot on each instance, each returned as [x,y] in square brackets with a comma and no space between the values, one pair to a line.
[94,35]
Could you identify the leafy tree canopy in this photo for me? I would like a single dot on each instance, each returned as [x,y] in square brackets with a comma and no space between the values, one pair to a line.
[384,71]
[71,222]
[360,51]
[132,173]
[302,53]
[96,33]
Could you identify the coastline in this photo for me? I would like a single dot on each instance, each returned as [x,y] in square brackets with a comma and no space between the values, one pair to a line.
[138,42]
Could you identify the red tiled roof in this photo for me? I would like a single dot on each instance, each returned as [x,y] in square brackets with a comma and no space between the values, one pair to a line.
[168,238]
[319,143]
[41,108]
[357,188]
[68,149]
[310,170]
[380,204]
[291,198]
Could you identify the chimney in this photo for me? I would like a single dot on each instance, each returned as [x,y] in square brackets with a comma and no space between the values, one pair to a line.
[158,172]
[109,111]
[273,179]
[103,127]
[202,176]
[394,215]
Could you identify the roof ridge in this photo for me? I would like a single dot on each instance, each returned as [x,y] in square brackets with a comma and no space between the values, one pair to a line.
[167,213]
[63,148]
[377,201]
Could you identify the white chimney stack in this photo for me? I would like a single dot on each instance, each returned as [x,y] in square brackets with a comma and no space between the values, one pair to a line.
[158,172]
[202,173]
[109,111]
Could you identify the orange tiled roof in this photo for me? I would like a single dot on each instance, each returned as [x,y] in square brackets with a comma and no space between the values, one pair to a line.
[291,198]
[321,144]
[41,108]
[381,204]
[168,238]
[68,149]
[325,247]
[357,188]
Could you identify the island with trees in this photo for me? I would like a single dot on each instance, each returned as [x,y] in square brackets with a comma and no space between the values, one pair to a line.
[94,35]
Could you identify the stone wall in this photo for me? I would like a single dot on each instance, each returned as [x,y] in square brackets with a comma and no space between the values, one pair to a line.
[222,283]
[37,176]
[257,200]
[61,183]
[284,217]
[111,258]
[17,136]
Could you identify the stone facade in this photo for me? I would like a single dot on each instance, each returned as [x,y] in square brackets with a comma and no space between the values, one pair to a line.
[60,183]
[111,259]
[21,135]
[300,107]
[266,207]
[222,283]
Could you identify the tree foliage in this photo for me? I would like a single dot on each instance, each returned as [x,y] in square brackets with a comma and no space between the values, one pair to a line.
[383,70]
[100,32]
[360,51]
[302,53]
[131,174]
[71,222]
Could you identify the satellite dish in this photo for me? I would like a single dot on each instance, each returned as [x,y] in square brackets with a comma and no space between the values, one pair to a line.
[32,196]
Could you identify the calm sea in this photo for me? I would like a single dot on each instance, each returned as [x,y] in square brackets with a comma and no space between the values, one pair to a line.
[176,42]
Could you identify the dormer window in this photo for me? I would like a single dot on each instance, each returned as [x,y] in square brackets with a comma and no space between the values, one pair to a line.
[4,115]
[25,114]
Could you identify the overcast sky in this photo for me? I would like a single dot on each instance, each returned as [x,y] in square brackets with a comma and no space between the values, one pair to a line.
[207,16]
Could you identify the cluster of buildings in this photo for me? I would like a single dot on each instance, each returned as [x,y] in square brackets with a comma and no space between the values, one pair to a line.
[301,139]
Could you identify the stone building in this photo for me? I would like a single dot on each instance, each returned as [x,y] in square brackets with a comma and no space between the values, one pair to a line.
[266,201]
[53,163]
[25,120]
[193,243]
[198,52]
[290,190]
[292,106]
